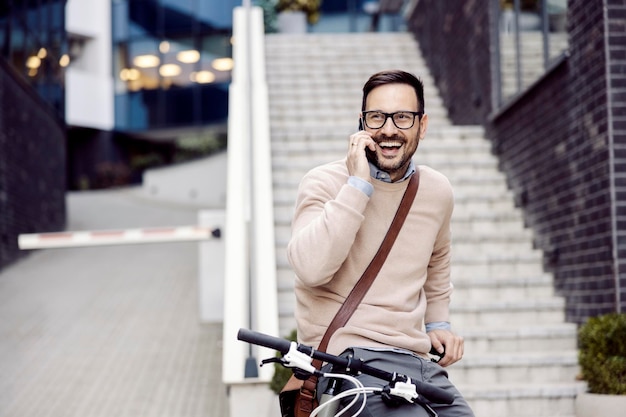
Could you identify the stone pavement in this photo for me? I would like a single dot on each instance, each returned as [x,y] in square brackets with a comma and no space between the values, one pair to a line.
[109,331]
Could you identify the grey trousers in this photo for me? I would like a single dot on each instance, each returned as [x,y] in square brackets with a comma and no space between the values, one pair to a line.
[413,366]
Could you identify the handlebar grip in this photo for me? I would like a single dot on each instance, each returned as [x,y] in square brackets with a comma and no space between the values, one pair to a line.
[434,393]
[265,340]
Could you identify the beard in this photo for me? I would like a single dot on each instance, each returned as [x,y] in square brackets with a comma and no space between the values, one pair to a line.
[392,166]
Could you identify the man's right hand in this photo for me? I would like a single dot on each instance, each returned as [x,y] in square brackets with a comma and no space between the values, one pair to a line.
[357,160]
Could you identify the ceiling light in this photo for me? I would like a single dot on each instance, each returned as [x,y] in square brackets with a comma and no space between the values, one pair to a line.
[146,61]
[129,74]
[33,62]
[223,64]
[188,57]
[133,74]
[169,70]
[42,53]
[202,77]
[164,47]
[64,61]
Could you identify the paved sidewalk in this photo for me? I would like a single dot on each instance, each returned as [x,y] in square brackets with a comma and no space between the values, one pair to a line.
[109,331]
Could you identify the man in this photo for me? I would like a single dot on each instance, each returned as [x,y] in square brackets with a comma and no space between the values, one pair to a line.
[343,211]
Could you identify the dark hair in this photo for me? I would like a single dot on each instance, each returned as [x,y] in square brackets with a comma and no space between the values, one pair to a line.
[394,77]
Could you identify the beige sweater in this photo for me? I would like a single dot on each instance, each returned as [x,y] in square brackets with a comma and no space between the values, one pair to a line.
[336,232]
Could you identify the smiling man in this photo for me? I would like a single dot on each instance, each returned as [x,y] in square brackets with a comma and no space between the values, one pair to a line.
[343,211]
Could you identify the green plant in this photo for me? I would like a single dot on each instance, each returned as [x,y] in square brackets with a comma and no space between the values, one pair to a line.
[269,15]
[602,353]
[310,7]
[281,374]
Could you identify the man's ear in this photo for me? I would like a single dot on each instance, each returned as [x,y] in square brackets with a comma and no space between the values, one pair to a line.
[423,126]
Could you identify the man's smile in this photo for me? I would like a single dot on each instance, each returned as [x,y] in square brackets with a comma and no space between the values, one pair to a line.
[390,148]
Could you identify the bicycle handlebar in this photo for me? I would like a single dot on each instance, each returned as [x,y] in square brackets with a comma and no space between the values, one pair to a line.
[283,346]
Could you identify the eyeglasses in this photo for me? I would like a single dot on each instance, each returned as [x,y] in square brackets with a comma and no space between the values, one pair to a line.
[375,119]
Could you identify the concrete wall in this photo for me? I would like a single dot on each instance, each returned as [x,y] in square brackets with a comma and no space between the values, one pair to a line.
[89,83]
[200,183]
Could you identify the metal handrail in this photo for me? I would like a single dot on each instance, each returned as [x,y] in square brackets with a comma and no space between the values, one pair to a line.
[250,292]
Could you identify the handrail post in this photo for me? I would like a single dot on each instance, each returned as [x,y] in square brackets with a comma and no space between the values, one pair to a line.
[250,292]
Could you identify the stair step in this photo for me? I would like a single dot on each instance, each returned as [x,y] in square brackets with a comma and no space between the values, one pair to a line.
[464,235]
[499,257]
[511,312]
[497,223]
[484,250]
[498,268]
[522,400]
[558,337]
[476,289]
[526,367]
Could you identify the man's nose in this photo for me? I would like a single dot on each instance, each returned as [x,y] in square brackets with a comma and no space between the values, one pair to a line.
[389,125]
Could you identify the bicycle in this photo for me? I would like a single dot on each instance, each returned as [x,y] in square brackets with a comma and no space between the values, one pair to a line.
[400,388]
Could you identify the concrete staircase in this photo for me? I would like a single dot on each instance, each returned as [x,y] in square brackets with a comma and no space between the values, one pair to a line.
[520,354]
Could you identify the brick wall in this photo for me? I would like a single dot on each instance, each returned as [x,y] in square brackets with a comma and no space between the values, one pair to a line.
[562,144]
[616,40]
[32,165]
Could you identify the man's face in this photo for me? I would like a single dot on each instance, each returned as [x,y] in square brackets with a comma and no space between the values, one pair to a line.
[394,147]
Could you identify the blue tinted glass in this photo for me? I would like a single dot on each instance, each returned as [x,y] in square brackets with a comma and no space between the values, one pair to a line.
[143,17]
[174,31]
[178,18]
[119,15]
[56,15]
[181,6]
[218,14]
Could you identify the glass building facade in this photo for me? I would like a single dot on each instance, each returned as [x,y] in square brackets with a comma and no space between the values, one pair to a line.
[34,43]
[171,62]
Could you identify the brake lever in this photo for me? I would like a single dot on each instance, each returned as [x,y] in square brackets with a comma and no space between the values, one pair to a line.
[273,360]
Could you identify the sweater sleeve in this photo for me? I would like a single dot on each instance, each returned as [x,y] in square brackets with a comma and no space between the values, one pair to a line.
[327,217]
[438,286]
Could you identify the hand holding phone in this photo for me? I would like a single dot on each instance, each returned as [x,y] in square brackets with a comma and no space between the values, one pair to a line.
[357,159]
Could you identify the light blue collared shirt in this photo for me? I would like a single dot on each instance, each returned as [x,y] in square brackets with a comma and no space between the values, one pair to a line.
[378,174]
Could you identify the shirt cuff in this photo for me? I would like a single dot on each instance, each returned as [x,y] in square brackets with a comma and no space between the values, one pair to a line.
[438,325]
[361,184]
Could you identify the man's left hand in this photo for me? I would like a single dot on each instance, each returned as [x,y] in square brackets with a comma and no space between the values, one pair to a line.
[453,345]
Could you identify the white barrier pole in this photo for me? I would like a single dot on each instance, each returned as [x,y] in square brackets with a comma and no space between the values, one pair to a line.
[84,238]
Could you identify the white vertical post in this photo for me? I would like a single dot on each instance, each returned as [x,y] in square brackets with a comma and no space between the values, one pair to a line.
[250,265]
[211,268]
[266,294]
[236,308]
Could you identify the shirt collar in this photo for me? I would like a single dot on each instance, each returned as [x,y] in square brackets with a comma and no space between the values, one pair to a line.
[381,175]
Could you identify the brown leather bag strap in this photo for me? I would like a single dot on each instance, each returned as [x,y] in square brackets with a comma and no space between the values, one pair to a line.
[362,286]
